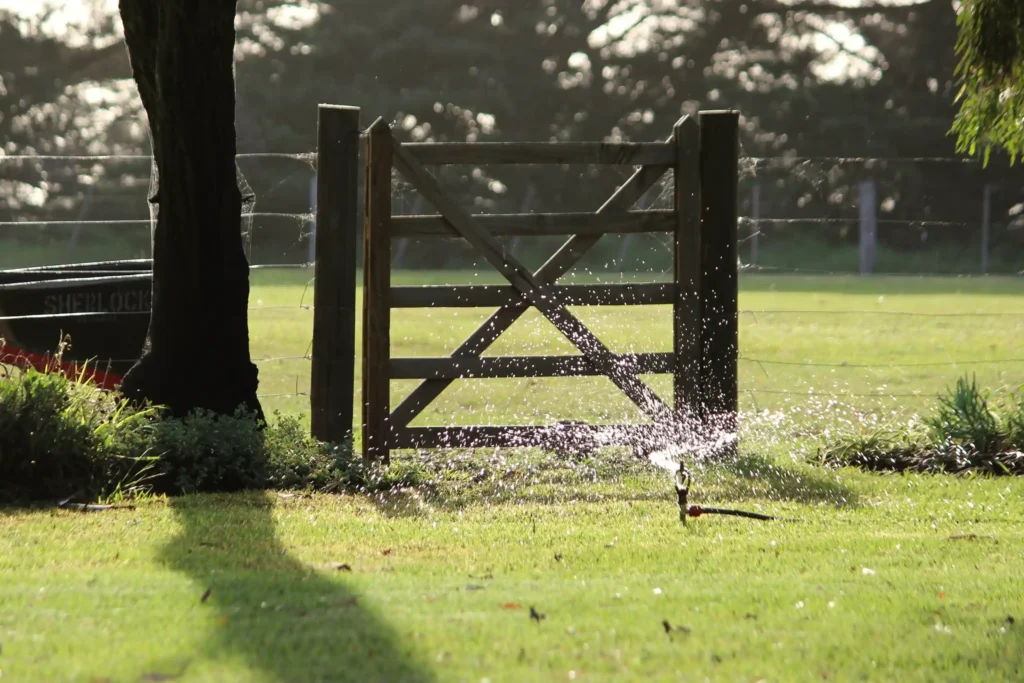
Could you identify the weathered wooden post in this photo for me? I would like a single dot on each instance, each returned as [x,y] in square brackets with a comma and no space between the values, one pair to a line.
[686,308]
[719,176]
[376,293]
[332,382]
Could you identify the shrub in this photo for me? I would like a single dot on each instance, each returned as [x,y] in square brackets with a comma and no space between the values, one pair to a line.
[965,419]
[61,438]
[966,433]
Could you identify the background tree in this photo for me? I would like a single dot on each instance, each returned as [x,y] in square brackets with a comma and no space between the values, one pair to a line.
[991,49]
[197,350]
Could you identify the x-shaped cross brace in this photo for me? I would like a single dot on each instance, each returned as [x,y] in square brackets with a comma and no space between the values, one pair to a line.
[534,288]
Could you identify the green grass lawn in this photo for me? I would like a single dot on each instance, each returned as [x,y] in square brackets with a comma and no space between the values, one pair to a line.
[908,578]
[805,342]
[868,577]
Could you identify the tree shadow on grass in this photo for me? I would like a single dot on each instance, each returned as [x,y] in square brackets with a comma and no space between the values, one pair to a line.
[755,475]
[619,478]
[283,618]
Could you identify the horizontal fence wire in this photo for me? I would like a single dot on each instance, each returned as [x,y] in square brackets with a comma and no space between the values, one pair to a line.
[751,312]
[312,156]
[828,394]
[749,268]
[993,361]
[306,217]
[907,222]
[298,156]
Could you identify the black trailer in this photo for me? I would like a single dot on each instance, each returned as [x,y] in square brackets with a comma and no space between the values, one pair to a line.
[102,307]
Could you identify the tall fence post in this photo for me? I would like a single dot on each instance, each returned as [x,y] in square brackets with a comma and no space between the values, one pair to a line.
[719,227]
[332,379]
[376,293]
[868,226]
[686,312]
[986,226]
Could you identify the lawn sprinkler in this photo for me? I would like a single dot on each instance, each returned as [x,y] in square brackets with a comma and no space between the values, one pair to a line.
[682,483]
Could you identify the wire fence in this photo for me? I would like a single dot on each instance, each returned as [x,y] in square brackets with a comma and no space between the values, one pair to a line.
[282,356]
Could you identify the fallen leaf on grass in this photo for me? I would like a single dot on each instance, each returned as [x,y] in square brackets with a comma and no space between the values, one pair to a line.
[223,621]
[511,605]
[669,628]
[386,552]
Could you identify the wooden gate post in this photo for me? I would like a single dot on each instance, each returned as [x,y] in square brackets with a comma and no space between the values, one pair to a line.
[686,315]
[332,382]
[719,167]
[376,293]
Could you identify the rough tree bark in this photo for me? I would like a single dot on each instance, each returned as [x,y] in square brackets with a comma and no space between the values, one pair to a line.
[197,351]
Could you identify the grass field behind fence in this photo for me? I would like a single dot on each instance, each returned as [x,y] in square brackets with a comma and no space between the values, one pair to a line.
[879,343]
[866,577]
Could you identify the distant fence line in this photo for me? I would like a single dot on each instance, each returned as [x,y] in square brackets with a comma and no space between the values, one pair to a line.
[867,221]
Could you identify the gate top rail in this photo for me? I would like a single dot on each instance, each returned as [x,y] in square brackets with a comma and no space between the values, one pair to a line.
[624,153]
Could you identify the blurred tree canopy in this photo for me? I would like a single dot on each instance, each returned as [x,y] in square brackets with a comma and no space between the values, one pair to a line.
[814,80]
[991,50]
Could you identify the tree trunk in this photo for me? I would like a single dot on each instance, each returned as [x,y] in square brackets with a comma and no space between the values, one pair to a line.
[197,351]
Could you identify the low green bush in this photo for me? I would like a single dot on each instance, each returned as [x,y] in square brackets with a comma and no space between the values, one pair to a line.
[967,432]
[61,438]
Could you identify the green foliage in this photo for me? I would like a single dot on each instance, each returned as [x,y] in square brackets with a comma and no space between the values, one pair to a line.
[295,460]
[990,45]
[881,449]
[61,438]
[965,433]
[964,418]
[206,452]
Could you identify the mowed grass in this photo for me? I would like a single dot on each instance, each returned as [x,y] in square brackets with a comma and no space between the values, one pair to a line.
[865,577]
[907,578]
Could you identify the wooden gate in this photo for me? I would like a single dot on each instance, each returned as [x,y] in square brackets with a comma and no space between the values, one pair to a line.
[702,152]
